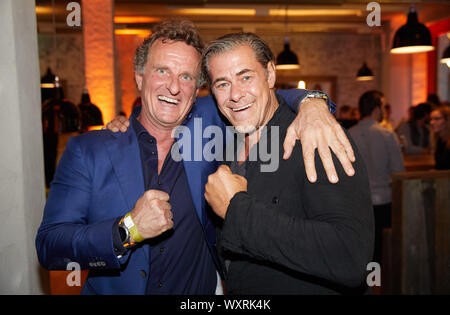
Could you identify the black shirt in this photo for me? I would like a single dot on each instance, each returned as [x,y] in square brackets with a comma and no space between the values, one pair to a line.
[288,236]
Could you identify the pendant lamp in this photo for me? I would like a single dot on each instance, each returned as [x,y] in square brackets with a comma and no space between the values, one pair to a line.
[364,73]
[446,56]
[413,37]
[287,59]
[48,80]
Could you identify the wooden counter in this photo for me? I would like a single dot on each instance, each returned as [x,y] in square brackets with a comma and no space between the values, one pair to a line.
[418,162]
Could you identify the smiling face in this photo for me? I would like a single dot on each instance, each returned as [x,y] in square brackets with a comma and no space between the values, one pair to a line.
[437,121]
[169,84]
[243,88]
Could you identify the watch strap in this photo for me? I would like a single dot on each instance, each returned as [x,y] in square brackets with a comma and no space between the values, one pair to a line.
[128,222]
[316,94]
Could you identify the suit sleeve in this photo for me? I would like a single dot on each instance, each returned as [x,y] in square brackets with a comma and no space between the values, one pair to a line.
[334,242]
[65,234]
[294,97]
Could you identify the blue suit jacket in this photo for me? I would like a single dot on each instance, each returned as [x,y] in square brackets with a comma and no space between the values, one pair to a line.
[99,179]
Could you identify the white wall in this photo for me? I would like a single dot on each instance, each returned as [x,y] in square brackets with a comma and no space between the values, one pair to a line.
[22,194]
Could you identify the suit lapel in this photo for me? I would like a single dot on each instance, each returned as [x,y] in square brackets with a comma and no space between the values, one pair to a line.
[125,157]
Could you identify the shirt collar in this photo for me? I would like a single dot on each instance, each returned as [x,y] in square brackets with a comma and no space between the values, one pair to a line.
[139,129]
[367,122]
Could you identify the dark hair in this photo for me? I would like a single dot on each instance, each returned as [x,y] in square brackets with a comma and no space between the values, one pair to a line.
[421,110]
[433,99]
[230,41]
[175,30]
[369,101]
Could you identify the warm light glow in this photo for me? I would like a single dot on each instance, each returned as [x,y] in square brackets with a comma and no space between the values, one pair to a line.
[287,67]
[365,78]
[211,11]
[135,19]
[411,49]
[301,85]
[132,31]
[99,62]
[43,10]
[97,127]
[47,85]
[446,61]
[313,12]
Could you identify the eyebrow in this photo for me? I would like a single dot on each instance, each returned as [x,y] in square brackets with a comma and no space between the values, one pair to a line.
[242,72]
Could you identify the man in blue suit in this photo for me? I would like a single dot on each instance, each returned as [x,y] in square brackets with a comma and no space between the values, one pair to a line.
[121,206]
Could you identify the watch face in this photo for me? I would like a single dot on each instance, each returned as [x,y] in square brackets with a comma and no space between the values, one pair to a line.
[123,234]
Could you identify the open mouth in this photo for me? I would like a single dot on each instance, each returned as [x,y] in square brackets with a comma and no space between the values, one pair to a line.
[242,108]
[168,100]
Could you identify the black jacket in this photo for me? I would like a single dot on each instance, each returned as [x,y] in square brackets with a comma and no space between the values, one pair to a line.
[288,236]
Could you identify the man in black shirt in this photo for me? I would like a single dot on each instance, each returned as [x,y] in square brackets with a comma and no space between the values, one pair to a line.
[280,233]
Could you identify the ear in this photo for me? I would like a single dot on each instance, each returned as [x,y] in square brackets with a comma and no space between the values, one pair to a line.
[138,78]
[271,74]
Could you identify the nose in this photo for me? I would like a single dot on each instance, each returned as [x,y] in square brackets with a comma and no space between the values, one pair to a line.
[236,93]
[173,86]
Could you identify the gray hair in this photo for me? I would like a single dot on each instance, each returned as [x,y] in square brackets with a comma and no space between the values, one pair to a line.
[230,41]
[175,30]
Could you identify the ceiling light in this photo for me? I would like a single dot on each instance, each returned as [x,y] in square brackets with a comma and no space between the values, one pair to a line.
[213,11]
[313,12]
[287,59]
[135,19]
[413,37]
[132,31]
[364,73]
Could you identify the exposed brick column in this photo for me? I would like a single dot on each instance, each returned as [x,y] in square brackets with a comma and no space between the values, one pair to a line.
[125,48]
[98,34]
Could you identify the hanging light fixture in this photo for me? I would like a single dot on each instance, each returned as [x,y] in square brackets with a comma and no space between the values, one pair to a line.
[413,37]
[48,80]
[446,56]
[287,59]
[364,73]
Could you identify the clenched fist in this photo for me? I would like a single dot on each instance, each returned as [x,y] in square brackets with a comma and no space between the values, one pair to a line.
[221,187]
[151,214]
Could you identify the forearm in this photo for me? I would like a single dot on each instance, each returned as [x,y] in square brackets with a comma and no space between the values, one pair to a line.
[90,245]
[68,231]
[319,248]
[333,240]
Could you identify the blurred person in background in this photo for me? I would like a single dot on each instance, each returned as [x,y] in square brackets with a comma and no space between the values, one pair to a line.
[382,155]
[414,134]
[345,116]
[433,99]
[440,127]
[387,122]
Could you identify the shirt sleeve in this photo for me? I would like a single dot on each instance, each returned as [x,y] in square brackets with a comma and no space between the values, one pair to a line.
[294,97]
